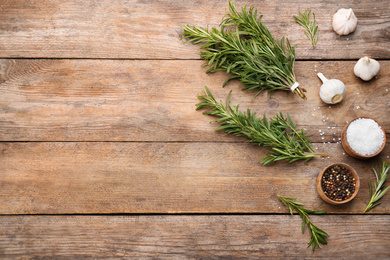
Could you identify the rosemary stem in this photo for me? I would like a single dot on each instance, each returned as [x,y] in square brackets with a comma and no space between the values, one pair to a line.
[244,48]
[278,132]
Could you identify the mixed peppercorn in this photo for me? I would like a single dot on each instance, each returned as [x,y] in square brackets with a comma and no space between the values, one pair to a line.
[338,183]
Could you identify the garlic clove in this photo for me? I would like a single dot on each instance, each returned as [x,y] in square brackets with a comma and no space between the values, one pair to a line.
[366,68]
[332,91]
[344,21]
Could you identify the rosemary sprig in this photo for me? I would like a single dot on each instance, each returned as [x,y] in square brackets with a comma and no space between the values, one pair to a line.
[311,27]
[245,48]
[318,236]
[279,132]
[380,181]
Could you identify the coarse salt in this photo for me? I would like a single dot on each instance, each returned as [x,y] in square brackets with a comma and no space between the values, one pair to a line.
[365,136]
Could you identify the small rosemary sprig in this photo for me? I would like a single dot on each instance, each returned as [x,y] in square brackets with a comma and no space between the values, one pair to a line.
[380,181]
[318,236]
[246,50]
[311,27]
[279,132]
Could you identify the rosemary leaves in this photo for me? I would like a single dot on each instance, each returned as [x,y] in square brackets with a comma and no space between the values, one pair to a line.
[245,49]
[378,193]
[311,27]
[317,235]
[278,132]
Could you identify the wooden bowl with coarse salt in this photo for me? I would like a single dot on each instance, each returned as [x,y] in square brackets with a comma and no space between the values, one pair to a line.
[363,138]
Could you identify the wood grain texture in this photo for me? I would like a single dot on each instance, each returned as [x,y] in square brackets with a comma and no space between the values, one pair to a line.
[190,237]
[151,29]
[118,100]
[97,116]
[108,177]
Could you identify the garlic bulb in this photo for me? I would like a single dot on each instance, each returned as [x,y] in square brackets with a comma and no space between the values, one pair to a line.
[344,21]
[366,68]
[332,91]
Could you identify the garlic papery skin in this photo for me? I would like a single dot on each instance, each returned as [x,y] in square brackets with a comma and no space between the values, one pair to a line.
[344,21]
[332,91]
[366,68]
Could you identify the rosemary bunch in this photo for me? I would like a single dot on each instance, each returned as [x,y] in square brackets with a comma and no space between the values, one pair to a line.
[318,236]
[311,28]
[246,49]
[380,181]
[279,132]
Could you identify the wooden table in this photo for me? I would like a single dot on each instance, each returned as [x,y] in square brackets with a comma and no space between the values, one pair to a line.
[103,155]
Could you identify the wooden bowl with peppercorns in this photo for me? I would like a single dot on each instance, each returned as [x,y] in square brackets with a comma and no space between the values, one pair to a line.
[338,183]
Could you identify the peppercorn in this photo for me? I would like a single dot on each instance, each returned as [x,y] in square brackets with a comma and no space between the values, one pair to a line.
[338,183]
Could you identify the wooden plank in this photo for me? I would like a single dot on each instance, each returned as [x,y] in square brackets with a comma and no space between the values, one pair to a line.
[118,100]
[151,29]
[190,237]
[107,177]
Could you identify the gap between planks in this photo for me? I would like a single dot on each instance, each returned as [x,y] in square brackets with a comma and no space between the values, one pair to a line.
[163,59]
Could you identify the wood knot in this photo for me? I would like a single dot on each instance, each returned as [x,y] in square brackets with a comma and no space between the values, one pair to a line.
[272,103]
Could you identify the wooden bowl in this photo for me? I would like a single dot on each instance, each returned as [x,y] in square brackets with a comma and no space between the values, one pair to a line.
[348,148]
[321,192]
